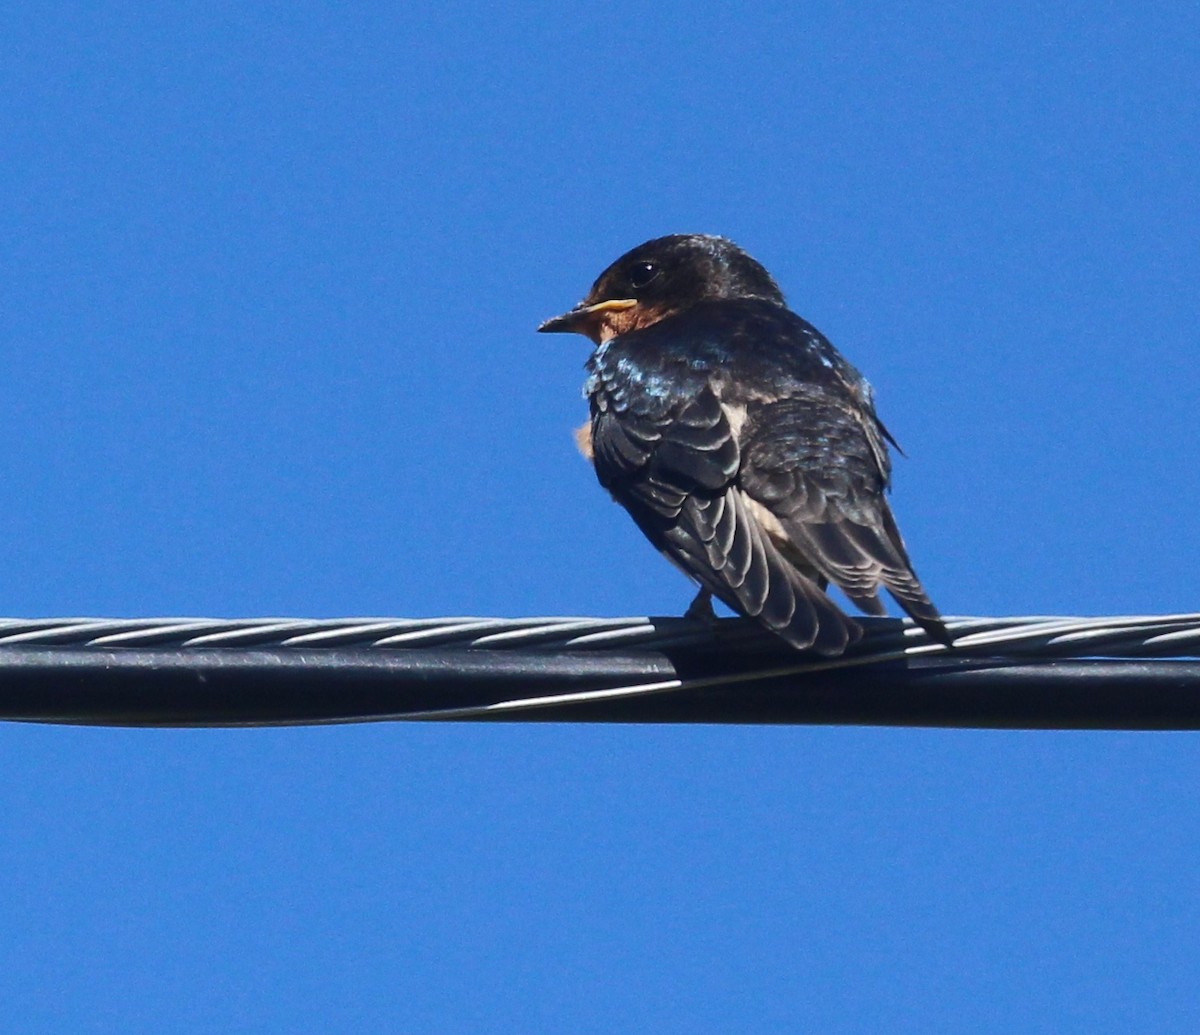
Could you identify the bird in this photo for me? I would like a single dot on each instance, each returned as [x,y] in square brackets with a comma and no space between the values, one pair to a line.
[741,442]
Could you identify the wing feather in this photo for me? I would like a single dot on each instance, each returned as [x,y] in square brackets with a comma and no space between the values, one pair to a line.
[679,480]
[814,464]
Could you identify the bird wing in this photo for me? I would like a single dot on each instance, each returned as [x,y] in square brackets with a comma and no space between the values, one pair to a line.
[674,464]
[817,463]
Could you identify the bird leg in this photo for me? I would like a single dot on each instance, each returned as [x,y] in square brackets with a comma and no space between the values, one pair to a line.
[701,609]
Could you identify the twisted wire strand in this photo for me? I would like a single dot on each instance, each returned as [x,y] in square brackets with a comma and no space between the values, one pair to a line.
[1030,637]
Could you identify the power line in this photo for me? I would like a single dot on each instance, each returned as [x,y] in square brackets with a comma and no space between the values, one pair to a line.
[1081,673]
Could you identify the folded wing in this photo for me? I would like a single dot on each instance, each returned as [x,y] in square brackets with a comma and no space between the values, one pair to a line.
[677,467]
[816,462]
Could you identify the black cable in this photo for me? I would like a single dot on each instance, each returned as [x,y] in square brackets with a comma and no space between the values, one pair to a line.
[1115,673]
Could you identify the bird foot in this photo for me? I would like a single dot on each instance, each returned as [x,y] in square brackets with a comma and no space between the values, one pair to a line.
[701,609]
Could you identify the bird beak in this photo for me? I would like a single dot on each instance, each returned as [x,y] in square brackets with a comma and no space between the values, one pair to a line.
[579,317]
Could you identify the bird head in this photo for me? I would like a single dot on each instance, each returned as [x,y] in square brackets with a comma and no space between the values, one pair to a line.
[661,278]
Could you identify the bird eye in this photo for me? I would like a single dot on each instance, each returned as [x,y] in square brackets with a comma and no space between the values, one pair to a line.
[642,274]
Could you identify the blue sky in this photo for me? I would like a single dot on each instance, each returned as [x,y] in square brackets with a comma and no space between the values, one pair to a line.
[271,278]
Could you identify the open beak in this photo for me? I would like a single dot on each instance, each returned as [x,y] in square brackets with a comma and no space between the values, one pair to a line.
[579,317]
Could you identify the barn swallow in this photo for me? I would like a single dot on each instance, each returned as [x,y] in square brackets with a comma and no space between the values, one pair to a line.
[742,443]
